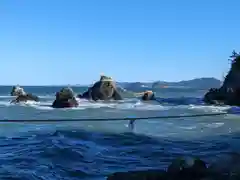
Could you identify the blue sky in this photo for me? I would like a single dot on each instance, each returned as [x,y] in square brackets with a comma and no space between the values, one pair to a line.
[73,42]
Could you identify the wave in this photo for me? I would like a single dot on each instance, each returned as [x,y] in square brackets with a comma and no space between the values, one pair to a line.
[129,107]
[126,104]
[95,155]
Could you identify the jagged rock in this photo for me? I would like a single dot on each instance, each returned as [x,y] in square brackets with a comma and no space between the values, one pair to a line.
[104,89]
[17,90]
[22,96]
[148,95]
[26,97]
[229,92]
[65,98]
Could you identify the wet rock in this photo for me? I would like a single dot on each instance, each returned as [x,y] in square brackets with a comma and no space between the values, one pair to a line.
[148,95]
[229,92]
[17,90]
[22,96]
[104,89]
[65,98]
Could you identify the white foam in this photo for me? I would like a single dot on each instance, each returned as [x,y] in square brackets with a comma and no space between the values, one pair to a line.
[214,125]
[6,103]
[7,96]
[42,106]
[188,127]
[127,104]
[47,97]
[207,108]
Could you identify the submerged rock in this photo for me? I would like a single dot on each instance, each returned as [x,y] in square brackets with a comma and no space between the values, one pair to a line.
[104,89]
[22,96]
[65,98]
[229,92]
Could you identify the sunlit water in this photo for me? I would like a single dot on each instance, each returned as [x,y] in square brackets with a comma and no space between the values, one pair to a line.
[92,150]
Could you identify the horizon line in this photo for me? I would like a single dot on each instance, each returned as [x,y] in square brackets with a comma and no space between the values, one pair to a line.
[74,85]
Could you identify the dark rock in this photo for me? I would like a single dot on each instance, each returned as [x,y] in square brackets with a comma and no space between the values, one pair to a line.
[148,95]
[65,99]
[25,97]
[104,89]
[229,92]
[22,96]
[180,169]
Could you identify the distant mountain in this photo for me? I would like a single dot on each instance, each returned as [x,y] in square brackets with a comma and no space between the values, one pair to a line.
[135,86]
[198,83]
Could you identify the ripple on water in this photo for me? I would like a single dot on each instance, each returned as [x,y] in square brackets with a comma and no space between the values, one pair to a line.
[87,150]
[83,154]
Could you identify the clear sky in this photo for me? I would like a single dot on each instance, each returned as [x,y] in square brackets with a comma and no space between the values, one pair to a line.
[74,41]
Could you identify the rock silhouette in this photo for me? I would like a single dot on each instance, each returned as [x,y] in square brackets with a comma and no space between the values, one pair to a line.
[104,89]
[229,92]
[65,98]
[148,95]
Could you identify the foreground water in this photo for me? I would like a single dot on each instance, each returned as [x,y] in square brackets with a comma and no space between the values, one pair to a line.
[92,150]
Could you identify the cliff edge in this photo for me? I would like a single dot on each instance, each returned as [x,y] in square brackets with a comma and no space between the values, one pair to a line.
[229,92]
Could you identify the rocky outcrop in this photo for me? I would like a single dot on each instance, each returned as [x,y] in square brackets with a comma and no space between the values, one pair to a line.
[22,96]
[104,89]
[148,95]
[65,98]
[17,90]
[229,92]
[192,169]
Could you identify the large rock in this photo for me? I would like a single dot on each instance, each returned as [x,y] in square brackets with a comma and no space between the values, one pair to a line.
[104,89]
[22,96]
[229,92]
[65,98]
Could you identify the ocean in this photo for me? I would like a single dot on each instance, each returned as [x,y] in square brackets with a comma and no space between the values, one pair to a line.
[93,150]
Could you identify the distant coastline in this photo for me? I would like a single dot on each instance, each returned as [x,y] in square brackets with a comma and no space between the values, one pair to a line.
[197,83]
[202,83]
